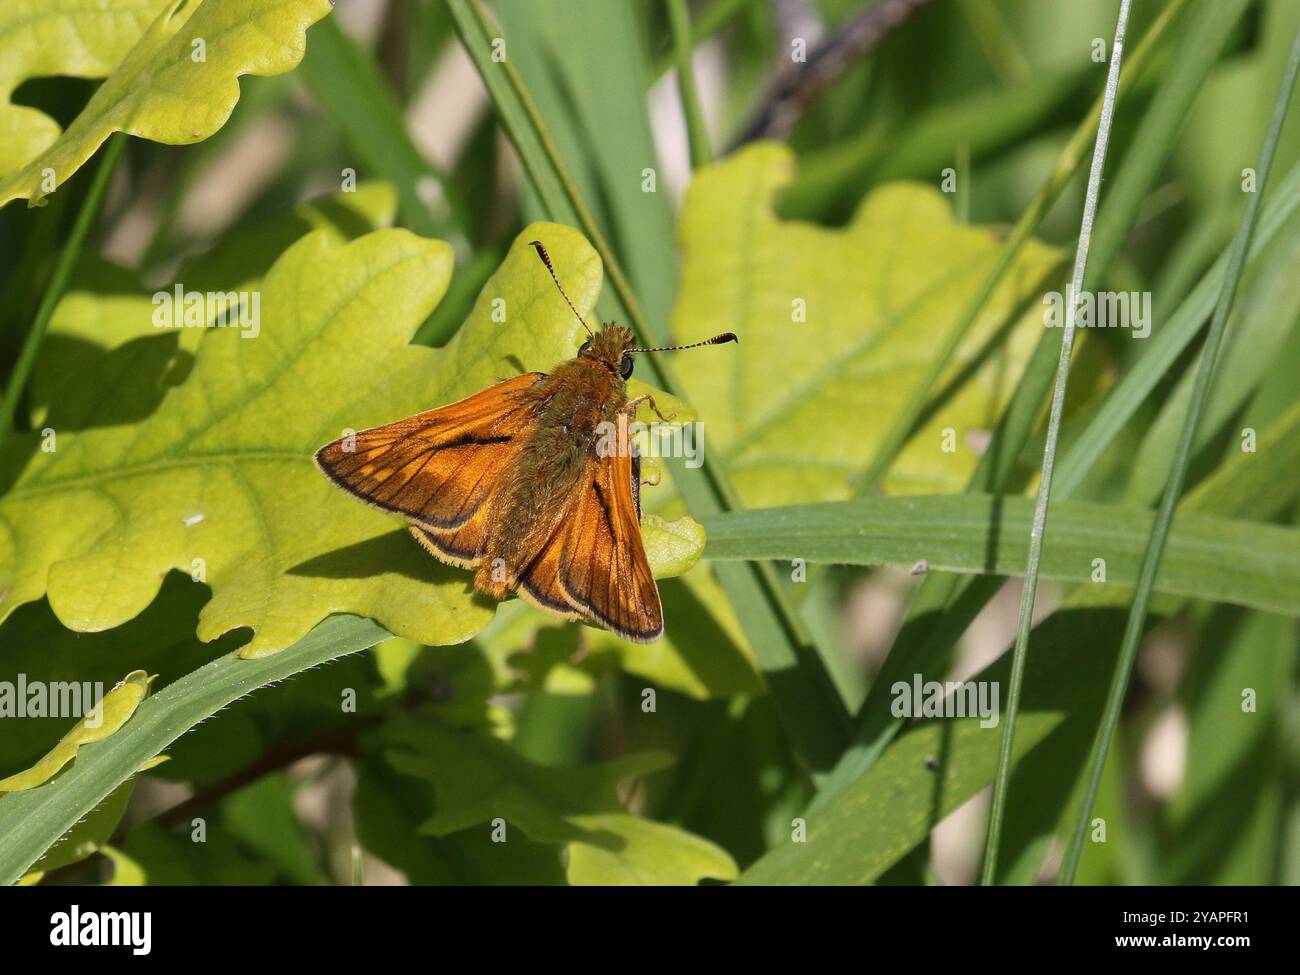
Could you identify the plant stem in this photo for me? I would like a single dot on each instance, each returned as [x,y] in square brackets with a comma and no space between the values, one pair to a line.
[714,18]
[798,82]
[58,283]
[1003,778]
[679,18]
[1177,476]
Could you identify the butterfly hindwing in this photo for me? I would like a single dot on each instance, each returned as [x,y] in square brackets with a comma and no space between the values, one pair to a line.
[604,571]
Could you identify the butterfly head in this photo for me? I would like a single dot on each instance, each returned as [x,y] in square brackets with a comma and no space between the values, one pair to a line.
[612,348]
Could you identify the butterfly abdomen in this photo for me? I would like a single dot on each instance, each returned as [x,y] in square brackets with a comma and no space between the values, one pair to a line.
[571,405]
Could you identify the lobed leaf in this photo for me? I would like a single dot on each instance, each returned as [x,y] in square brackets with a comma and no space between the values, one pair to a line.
[172,67]
[836,327]
[101,721]
[219,482]
[478,780]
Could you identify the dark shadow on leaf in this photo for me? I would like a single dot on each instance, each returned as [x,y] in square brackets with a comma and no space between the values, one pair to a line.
[707,649]
[96,388]
[110,387]
[345,218]
[393,552]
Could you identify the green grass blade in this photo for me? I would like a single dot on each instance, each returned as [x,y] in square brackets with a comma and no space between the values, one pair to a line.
[1206,35]
[1004,55]
[679,18]
[936,766]
[1003,778]
[904,423]
[830,180]
[1166,345]
[1161,529]
[714,18]
[806,699]
[1261,483]
[31,822]
[58,283]
[346,82]
[1223,825]
[1249,563]
[945,605]
[593,99]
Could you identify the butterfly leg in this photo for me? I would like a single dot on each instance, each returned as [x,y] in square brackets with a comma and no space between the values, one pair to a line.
[630,407]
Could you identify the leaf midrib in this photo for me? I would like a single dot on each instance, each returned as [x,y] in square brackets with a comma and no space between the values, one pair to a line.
[143,468]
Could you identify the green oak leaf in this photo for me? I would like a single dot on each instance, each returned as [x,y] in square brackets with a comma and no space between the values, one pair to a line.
[219,483]
[85,39]
[478,779]
[837,326]
[99,722]
[646,853]
[82,367]
[388,808]
[171,859]
[172,71]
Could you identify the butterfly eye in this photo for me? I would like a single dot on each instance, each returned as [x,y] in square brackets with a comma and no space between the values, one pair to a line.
[584,347]
[625,367]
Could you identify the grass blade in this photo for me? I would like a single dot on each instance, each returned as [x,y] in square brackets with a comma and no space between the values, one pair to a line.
[1161,528]
[1002,780]
[679,18]
[1249,563]
[58,283]
[945,605]
[940,763]
[712,20]
[809,705]
[594,102]
[1166,345]
[346,82]
[903,424]
[31,822]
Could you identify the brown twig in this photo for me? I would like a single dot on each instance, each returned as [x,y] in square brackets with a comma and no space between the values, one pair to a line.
[797,82]
[340,739]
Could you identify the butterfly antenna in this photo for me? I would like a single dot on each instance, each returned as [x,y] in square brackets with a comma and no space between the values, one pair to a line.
[716,340]
[546,259]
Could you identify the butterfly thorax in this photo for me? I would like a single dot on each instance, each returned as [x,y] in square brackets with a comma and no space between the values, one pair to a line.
[571,404]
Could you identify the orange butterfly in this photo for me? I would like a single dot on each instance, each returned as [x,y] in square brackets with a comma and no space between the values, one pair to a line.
[518,483]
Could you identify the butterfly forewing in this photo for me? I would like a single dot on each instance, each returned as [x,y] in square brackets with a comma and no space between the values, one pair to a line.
[439,467]
[445,470]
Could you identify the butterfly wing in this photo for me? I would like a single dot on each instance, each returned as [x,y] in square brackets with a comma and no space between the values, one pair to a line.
[539,583]
[603,572]
[439,468]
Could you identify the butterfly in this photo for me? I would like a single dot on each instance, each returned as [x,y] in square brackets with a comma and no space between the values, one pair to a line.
[533,483]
